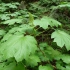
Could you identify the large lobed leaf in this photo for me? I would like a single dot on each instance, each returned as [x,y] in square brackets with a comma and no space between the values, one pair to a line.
[61,38]
[45,22]
[18,46]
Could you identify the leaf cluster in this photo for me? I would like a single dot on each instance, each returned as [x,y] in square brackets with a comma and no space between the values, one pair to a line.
[32,42]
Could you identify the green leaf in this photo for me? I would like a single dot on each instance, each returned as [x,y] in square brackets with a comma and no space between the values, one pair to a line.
[62,66]
[47,67]
[64,5]
[2,8]
[2,32]
[49,52]
[11,66]
[18,46]
[6,37]
[15,14]
[11,5]
[59,65]
[67,67]
[45,22]
[16,3]
[12,21]
[22,29]
[61,38]
[4,17]
[54,54]
[33,60]
[65,58]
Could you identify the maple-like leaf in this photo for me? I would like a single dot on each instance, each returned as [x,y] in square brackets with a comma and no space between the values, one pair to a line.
[4,17]
[22,28]
[61,38]
[45,22]
[12,21]
[59,65]
[11,5]
[15,14]
[65,58]
[33,60]
[47,67]
[12,66]
[49,52]
[62,5]
[18,46]
[2,8]
[6,37]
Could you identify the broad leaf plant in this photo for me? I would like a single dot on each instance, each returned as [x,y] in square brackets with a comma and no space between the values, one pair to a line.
[30,42]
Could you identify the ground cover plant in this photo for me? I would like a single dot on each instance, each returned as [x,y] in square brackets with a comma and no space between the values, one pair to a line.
[35,35]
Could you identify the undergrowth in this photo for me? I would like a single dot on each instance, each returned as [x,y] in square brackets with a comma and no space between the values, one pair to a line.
[35,35]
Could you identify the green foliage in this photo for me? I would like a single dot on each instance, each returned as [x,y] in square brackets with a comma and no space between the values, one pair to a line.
[11,66]
[17,43]
[45,22]
[61,38]
[47,67]
[31,39]
[12,21]
[33,60]
[2,33]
